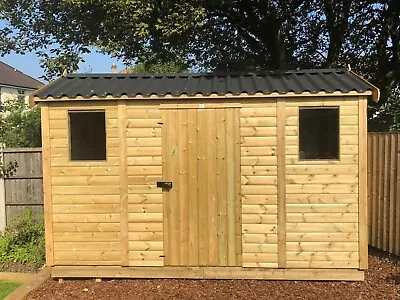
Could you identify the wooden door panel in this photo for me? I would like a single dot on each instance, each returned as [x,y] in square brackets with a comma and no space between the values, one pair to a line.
[193,186]
[183,193]
[201,156]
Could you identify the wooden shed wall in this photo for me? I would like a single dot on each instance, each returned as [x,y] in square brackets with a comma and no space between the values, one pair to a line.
[111,213]
[85,195]
[322,196]
[145,209]
[258,130]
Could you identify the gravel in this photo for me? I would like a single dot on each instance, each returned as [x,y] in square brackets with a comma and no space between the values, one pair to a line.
[18,267]
[382,282]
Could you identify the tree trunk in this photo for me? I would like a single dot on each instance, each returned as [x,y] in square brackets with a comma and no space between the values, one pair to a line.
[337,21]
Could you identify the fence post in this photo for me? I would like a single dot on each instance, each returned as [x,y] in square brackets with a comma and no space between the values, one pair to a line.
[2,195]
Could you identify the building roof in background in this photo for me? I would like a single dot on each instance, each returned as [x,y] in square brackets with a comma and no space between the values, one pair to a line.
[145,85]
[12,77]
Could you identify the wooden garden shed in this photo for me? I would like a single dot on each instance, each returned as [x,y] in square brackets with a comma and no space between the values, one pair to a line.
[234,175]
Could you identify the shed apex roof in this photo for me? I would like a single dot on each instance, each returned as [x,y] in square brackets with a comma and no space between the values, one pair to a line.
[309,81]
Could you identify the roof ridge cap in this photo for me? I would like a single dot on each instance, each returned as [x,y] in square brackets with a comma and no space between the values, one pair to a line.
[216,73]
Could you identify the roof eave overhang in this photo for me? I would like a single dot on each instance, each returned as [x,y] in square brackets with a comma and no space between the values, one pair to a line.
[18,87]
[376,93]
[32,100]
[370,94]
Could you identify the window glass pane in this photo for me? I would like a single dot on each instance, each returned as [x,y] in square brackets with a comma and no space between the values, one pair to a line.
[87,135]
[319,133]
[21,96]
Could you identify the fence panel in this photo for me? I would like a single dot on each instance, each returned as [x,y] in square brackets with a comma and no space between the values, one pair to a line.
[24,190]
[384,191]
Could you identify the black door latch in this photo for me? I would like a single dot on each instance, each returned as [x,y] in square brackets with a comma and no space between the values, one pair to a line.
[164,185]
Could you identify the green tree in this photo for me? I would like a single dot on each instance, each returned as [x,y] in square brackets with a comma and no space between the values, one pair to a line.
[158,67]
[386,117]
[214,35]
[19,126]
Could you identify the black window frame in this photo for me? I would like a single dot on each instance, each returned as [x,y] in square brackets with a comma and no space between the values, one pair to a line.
[103,111]
[336,108]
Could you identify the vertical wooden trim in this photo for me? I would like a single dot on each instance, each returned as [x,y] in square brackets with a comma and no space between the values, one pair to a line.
[166,194]
[47,195]
[3,216]
[173,197]
[184,188]
[192,185]
[212,187]
[237,186]
[362,185]
[374,186]
[386,198]
[397,197]
[123,175]
[381,187]
[221,188]
[369,185]
[281,122]
[202,190]
[230,186]
[392,192]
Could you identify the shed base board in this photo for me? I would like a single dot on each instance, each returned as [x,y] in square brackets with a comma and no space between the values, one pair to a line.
[206,273]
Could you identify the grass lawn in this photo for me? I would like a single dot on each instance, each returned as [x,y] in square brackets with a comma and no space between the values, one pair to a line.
[7,287]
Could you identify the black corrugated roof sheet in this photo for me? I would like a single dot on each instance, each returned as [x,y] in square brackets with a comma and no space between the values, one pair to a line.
[132,85]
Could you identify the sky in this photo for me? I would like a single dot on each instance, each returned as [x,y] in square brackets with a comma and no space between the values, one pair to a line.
[30,63]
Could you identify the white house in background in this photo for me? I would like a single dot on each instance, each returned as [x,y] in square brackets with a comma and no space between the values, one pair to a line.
[15,84]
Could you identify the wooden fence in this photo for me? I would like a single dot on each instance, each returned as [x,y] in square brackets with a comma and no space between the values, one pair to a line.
[23,189]
[384,191]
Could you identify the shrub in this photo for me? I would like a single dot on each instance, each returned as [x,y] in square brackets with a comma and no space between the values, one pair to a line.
[19,125]
[23,241]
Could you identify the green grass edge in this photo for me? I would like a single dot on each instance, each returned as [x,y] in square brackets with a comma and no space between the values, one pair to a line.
[6,287]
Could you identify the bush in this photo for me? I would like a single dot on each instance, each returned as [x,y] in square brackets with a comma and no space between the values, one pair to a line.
[19,125]
[23,241]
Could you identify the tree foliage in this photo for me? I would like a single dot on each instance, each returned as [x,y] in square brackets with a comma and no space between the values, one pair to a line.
[212,35]
[19,126]
[23,241]
[168,67]
[386,117]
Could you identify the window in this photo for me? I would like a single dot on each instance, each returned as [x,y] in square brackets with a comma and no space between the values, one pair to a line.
[319,133]
[21,96]
[87,131]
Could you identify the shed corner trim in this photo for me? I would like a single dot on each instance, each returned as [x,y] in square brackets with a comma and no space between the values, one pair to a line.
[376,93]
[34,99]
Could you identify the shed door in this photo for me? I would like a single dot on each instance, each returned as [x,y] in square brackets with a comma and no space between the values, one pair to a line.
[202,210]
